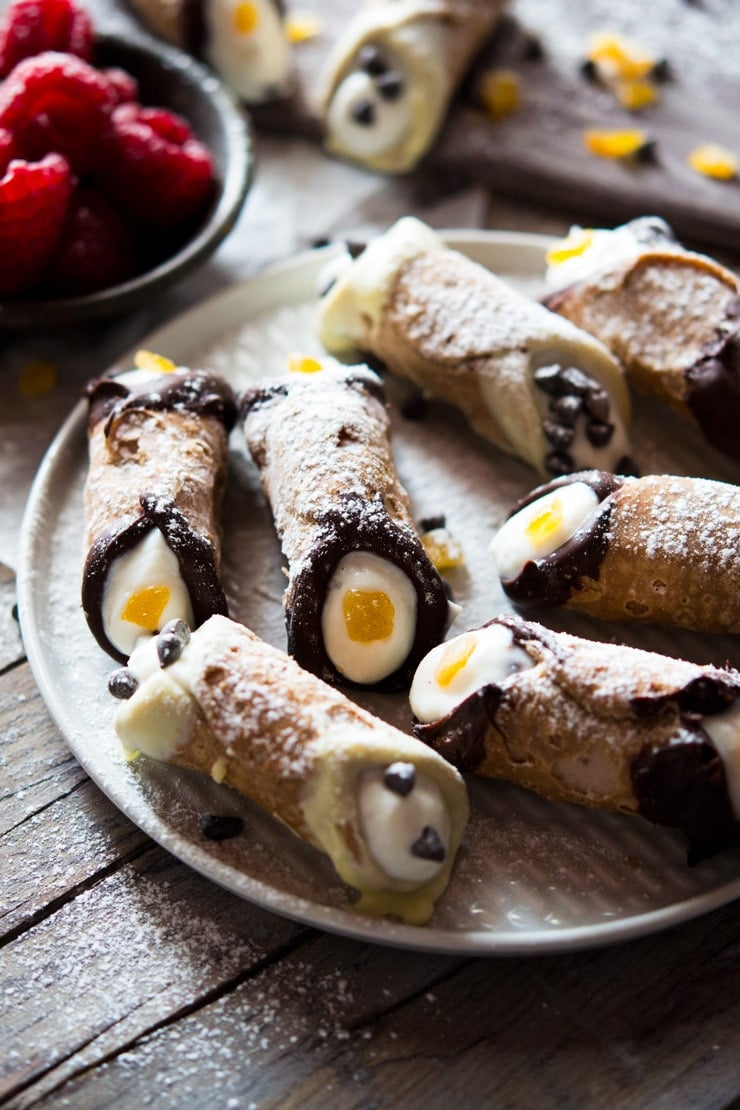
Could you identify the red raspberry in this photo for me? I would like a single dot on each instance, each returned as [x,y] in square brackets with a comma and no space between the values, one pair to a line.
[31,26]
[34,198]
[153,166]
[8,149]
[93,251]
[56,102]
[123,86]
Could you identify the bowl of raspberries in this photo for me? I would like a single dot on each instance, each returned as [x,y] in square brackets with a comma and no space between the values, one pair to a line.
[123,166]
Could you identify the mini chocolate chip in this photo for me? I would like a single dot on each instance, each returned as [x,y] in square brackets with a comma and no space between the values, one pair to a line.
[370,60]
[390,85]
[588,70]
[558,435]
[647,154]
[706,695]
[14,613]
[172,641]
[566,409]
[414,407]
[354,249]
[429,845]
[430,523]
[400,778]
[627,466]
[320,241]
[224,826]
[598,433]
[559,462]
[576,381]
[547,378]
[662,70]
[596,401]
[364,113]
[533,50]
[122,684]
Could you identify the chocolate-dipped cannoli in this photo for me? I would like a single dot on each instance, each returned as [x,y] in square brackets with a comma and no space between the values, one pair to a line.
[387,811]
[671,316]
[244,43]
[660,548]
[601,725]
[527,380]
[392,74]
[158,449]
[363,602]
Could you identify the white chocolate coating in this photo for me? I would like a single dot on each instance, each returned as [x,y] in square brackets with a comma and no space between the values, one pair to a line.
[253,59]
[392,823]
[542,527]
[724,732]
[150,563]
[451,672]
[372,660]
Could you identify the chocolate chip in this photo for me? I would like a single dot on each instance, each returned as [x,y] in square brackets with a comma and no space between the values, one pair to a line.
[566,409]
[547,378]
[598,433]
[533,50]
[596,401]
[706,695]
[429,845]
[628,467]
[400,778]
[390,85]
[414,407]
[559,462]
[558,435]
[215,826]
[647,154]
[576,381]
[588,70]
[122,684]
[172,641]
[353,248]
[370,60]
[430,523]
[662,70]
[364,113]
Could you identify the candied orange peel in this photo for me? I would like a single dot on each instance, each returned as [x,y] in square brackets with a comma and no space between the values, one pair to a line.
[145,607]
[499,92]
[615,143]
[443,550]
[148,360]
[301,26]
[38,377]
[246,18]
[626,68]
[576,242]
[304,364]
[368,615]
[454,658]
[713,160]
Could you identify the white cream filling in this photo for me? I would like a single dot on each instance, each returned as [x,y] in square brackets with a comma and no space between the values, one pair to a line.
[368,661]
[254,62]
[724,732]
[150,563]
[392,823]
[452,671]
[602,249]
[392,119]
[350,312]
[542,527]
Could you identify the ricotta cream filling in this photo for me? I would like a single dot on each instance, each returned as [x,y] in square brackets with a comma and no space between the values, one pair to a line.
[361,122]
[247,47]
[402,830]
[724,732]
[541,527]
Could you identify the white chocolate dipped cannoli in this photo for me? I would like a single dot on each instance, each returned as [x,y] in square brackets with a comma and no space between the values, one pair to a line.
[157,470]
[670,315]
[388,812]
[392,74]
[244,42]
[597,724]
[660,548]
[527,380]
[363,602]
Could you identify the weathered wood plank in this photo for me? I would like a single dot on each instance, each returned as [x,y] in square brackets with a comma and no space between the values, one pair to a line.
[11,648]
[132,952]
[347,1025]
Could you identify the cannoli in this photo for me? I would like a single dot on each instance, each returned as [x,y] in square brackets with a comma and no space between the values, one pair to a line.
[387,811]
[527,380]
[244,43]
[671,316]
[158,448]
[392,73]
[363,602]
[660,548]
[600,725]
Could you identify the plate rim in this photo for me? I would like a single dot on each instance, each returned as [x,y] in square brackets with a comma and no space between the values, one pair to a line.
[333,919]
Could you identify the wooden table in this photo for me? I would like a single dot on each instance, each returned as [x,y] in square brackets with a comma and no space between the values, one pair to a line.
[127,979]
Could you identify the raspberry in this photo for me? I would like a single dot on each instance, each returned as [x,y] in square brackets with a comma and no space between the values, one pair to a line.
[34,198]
[8,149]
[93,251]
[123,86]
[56,102]
[153,166]
[32,26]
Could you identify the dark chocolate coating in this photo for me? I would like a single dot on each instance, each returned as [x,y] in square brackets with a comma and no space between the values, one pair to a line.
[551,580]
[354,526]
[714,393]
[196,391]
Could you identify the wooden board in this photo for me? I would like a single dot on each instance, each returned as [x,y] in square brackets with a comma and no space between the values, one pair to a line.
[537,153]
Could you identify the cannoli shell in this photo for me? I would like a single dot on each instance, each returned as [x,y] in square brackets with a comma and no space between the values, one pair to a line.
[602,726]
[463,335]
[661,548]
[324,455]
[672,318]
[155,462]
[433,42]
[177,21]
[296,747]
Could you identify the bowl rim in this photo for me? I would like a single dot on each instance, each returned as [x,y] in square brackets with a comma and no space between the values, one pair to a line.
[236,180]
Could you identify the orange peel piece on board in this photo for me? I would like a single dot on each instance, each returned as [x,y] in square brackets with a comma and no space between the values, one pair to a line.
[614,143]
[713,160]
[499,92]
[300,27]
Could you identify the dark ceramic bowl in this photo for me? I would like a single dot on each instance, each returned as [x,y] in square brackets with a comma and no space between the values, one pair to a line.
[168,78]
